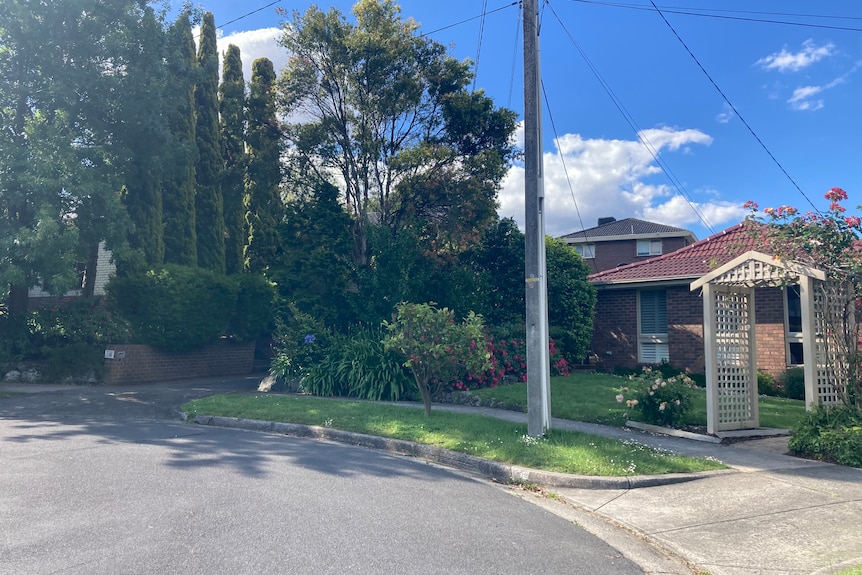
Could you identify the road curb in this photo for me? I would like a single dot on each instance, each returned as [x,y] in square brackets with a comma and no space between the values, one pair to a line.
[502,472]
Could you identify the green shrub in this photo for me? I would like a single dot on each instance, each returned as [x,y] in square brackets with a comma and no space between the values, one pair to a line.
[766,384]
[436,347]
[15,341]
[253,312]
[79,361]
[301,342]
[175,308]
[656,399]
[830,434]
[359,366]
[793,382]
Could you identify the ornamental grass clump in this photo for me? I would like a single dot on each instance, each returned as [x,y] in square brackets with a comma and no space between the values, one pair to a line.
[653,398]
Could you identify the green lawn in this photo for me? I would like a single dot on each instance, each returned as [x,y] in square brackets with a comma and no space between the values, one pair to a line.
[590,397]
[487,437]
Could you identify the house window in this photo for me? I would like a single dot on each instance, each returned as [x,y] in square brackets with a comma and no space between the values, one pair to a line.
[793,325]
[649,248]
[652,326]
[587,251]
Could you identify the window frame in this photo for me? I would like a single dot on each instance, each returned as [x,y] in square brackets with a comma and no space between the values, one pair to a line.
[586,250]
[657,340]
[649,251]
[792,338]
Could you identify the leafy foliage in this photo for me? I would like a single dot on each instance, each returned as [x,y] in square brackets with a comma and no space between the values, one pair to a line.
[793,381]
[209,204]
[360,366]
[389,113]
[571,299]
[656,399]
[436,347]
[178,188]
[826,240]
[302,341]
[265,208]
[232,110]
[254,305]
[831,434]
[175,308]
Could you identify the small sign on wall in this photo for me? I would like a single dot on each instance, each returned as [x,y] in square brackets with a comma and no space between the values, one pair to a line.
[109,354]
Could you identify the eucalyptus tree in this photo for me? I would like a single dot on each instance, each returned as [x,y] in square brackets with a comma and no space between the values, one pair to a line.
[263,175]
[209,204]
[384,113]
[232,109]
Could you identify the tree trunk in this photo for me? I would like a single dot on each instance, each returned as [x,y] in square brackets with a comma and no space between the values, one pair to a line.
[89,286]
[17,300]
[425,392]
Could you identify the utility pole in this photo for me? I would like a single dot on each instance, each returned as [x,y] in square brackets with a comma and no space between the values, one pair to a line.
[536,276]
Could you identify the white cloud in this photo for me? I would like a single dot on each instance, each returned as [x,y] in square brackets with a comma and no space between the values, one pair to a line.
[608,178]
[726,114]
[785,61]
[803,97]
[252,44]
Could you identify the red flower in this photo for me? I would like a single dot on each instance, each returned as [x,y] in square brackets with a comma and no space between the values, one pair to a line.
[749,205]
[852,221]
[835,195]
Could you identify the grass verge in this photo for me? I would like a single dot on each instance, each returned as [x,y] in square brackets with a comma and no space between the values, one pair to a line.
[486,437]
[590,397]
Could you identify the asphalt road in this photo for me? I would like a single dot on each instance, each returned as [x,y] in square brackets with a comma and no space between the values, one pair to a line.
[98,480]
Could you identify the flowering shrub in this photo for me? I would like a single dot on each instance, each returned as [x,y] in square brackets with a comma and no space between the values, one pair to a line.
[657,399]
[508,363]
[301,341]
[437,348]
[829,241]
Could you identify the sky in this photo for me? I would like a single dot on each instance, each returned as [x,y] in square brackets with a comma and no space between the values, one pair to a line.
[676,112]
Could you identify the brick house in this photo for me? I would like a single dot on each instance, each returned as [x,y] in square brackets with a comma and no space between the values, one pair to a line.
[613,243]
[646,312]
[102,271]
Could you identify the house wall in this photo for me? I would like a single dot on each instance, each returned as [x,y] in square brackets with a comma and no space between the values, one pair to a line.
[133,364]
[615,329]
[105,268]
[612,253]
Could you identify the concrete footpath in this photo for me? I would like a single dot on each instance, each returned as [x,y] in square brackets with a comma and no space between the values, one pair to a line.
[771,514]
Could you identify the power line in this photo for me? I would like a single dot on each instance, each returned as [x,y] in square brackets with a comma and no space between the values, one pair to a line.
[732,107]
[565,169]
[244,16]
[703,14]
[460,22]
[479,47]
[633,124]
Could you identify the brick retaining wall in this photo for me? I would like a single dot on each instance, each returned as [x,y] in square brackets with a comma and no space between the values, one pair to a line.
[144,364]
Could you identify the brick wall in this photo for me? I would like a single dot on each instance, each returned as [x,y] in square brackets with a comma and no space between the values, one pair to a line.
[143,364]
[769,331]
[615,329]
[685,329]
[612,253]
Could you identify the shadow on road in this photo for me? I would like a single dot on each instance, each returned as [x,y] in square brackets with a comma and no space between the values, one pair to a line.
[150,416]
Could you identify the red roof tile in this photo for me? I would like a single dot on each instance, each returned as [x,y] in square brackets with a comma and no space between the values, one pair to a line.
[690,262]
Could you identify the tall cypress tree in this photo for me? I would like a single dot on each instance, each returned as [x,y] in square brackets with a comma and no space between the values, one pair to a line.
[178,189]
[209,210]
[263,178]
[232,109]
[145,140]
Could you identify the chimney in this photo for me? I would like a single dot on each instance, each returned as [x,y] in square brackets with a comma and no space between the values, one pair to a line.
[607,220]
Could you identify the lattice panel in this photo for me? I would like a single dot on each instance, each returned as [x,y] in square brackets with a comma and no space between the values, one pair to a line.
[834,340]
[752,273]
[734,374]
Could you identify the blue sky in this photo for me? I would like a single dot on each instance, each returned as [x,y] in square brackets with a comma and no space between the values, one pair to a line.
[790,68]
